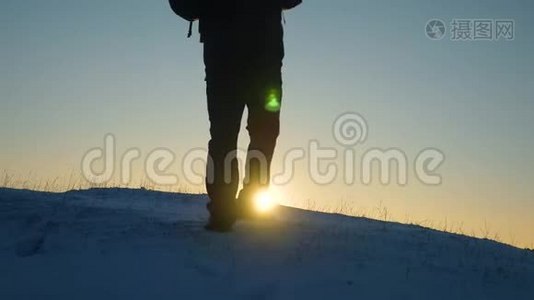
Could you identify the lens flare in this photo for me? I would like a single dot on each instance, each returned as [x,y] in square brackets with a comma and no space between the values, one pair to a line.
[264,202]
[272,102]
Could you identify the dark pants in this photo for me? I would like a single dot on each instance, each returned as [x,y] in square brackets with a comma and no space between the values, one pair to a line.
[233,83]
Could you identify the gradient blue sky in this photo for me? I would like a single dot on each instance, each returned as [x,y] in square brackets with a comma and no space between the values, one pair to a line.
[73,71]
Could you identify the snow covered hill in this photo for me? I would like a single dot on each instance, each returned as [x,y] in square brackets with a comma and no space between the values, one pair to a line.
[137,244]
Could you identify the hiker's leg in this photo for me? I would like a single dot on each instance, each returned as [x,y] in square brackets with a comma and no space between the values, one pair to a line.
[222,176]
[225,112]
[263,126]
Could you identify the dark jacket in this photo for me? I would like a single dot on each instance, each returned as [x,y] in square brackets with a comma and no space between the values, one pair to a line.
[242,32]
[246,19]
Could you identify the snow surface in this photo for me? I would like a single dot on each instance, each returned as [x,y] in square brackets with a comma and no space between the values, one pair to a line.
[137,244]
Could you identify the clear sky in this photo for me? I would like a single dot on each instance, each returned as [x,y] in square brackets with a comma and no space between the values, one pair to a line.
[73,71]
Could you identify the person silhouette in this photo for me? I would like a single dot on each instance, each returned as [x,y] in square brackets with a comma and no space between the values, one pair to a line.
[243,53]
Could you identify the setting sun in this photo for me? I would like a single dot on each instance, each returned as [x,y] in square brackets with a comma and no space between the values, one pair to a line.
[264,202]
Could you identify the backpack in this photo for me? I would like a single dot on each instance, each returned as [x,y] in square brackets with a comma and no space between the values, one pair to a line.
[188,10]
[289,4]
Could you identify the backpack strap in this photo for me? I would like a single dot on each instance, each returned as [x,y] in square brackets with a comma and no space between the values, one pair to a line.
[190,31]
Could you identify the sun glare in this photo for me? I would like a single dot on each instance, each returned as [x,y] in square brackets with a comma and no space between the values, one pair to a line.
[264,202]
